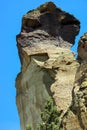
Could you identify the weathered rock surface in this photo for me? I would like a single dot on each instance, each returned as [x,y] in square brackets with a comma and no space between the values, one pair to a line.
[48,68]
[50,73]
[82,47]
[76,116]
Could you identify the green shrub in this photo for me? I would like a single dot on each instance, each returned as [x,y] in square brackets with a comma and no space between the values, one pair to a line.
[50,117]
[28,127]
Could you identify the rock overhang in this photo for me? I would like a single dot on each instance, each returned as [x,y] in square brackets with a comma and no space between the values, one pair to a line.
[52,20]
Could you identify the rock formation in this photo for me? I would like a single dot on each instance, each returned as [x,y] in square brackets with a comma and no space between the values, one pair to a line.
[48,68]
[76,117]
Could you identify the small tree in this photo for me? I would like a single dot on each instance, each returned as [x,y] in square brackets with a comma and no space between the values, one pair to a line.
[28,127]
[50,118]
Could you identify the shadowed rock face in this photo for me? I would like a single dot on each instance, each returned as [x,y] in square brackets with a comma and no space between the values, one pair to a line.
[54,22]
[48,67]
[49,22]
[48,25]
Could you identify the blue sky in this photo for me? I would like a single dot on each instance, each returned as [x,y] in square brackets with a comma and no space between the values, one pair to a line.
[11,13]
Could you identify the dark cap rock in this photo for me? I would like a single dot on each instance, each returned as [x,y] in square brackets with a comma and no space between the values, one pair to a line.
[59,25]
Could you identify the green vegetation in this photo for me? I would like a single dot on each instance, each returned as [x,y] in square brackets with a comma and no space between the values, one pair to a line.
[28,128]
[50,118]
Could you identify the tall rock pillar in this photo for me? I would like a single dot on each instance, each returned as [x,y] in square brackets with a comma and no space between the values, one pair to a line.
[48,67]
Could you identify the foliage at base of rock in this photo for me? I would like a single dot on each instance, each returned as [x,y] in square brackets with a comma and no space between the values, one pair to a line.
[50,118]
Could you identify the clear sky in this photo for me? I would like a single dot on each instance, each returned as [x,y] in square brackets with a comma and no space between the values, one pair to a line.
[11,13]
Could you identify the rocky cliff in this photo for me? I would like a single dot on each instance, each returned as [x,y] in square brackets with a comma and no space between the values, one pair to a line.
[76,117]
[48,68]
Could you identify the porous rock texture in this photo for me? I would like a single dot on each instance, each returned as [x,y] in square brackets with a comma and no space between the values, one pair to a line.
[76,117]
[48,68]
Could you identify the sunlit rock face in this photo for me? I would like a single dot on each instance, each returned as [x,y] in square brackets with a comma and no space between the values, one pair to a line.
[49,71]
[82,47]
[76,116]
[48,68]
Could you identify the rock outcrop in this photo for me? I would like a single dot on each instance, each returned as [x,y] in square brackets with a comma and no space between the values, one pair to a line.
[48,68]
[76,116]
[82,47]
